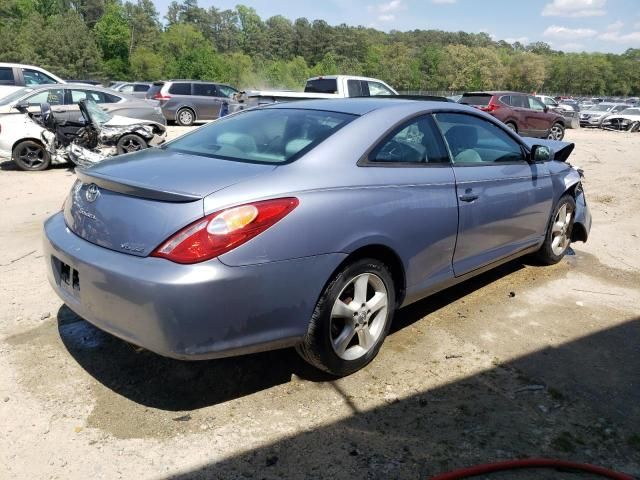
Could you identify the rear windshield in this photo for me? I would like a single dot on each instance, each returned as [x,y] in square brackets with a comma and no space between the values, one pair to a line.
[321,85]
[475,99]
[277,135]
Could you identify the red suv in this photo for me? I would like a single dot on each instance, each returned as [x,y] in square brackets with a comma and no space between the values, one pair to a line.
[521,112]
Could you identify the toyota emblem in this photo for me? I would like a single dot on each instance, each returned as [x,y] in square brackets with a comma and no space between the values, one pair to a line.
[92,193]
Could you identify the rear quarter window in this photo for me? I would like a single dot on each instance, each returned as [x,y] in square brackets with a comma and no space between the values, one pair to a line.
[180,89]
[140,88]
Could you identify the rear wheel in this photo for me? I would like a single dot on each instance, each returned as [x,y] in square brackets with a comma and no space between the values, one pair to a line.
[512,126]
[556,132]
[351,319]
[31,156]
[185,117]
[130,143]
[558,238]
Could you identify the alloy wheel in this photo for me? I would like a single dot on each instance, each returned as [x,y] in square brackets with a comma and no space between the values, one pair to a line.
[185,117]
[131,144]
[358,316]
[555,133]
[31,156]
[560,232]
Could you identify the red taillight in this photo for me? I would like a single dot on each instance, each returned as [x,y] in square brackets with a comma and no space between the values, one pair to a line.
[222,231]
[492,107]
[160,96]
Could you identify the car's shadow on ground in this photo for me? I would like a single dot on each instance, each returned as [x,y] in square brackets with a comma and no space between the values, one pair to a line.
[10,165]
[167,384]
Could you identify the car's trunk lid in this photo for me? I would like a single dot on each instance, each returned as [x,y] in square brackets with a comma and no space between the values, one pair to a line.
[133,203]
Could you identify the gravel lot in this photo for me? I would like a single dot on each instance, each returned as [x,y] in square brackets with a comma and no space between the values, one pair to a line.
[522,361]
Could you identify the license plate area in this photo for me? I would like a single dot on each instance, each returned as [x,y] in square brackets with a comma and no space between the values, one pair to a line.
[68,277]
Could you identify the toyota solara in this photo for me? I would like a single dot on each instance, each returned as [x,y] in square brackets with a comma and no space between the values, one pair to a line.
[306,224]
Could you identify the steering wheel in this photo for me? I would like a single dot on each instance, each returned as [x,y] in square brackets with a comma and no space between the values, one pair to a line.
[393,151]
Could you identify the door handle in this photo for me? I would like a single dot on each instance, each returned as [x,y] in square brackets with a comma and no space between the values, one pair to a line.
[468,196]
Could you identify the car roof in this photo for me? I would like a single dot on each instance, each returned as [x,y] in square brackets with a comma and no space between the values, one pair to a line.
[495,92]
[364,105]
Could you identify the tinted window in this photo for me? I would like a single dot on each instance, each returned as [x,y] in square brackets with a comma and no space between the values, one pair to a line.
[535,104]
[6,76]
[54,96]
[519,101]
[506,99]
[376,88]
[275,135]
[357,88]
[140,88]
[415,142]
[205,89]
[474,140]
[480,99]
[226,90]
[322,85]
[33,77]
[180,89]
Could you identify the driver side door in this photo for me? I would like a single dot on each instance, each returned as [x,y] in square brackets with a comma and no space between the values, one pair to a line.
[503,200]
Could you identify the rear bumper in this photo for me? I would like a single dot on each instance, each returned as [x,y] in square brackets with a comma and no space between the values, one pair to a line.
[188,312]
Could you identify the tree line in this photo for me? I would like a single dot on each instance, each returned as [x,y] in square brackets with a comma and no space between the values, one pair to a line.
[127,40]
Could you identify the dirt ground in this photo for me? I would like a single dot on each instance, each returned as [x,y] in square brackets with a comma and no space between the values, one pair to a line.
[522,361]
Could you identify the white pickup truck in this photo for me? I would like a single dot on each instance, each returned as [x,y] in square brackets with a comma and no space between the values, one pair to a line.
[325,87]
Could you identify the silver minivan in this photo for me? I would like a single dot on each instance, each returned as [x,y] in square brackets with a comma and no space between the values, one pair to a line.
[189,101]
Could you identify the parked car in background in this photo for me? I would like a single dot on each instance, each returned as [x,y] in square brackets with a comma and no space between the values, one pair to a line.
[189,101]
[593,116]
[628,119]
[521,112]
[235,238]
[135,89]
[64,101]
[14,76]
[319,88]
[553,104]
[632,101]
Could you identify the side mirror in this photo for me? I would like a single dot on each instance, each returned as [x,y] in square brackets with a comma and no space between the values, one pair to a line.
[22,107]
[540,153]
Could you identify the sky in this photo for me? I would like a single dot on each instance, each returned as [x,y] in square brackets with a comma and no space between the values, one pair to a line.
[569,25]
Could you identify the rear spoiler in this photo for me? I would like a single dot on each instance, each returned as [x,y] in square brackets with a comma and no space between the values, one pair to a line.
[133,189]
[560,151]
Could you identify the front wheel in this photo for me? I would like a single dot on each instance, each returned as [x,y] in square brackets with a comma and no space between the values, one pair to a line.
[556,132]
[351,319]
[31,156]
[130,143]
[558,237]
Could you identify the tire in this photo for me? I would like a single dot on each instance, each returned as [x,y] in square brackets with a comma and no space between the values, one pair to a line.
[130,143]
[185,117]
[31,156]
[512,126]
[558,236]
[556,132]
[344,337]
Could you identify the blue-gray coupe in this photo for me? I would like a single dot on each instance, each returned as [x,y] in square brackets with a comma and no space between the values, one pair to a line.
[306,224]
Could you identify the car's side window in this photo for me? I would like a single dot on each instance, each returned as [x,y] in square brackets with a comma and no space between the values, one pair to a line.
[98,97]
[357,88]
[180,89]
[6,76]
[519,101]
[140,88]
[33,77]
[54,96]
[506,99]
[127,88]
[475,141]
[376,88]
[415,142]
[227,91]
[535,104]
[205,89]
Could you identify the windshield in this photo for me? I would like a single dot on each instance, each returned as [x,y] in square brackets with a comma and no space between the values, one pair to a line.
[15,96]
[97,114]
[630,111]
[276,135]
